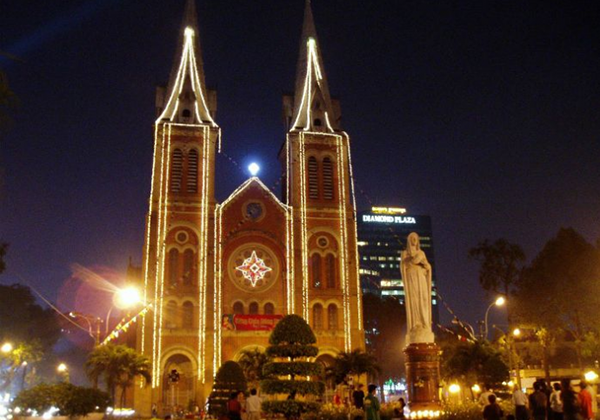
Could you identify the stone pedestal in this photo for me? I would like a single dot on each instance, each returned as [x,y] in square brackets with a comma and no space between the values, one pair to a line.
[423,379]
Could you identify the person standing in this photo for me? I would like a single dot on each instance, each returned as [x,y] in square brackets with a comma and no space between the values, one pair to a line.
[585,400]
[358,397]
[234,407]
[556,406]
[590,388]
[538,402]
[372,405]
[492,411]
[253,405]
[571,406]
[521,403]
[484,398]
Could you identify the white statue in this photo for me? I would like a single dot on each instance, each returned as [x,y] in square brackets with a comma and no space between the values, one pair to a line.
[416,274]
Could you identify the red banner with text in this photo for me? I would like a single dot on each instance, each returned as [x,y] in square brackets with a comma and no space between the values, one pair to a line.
[235,322]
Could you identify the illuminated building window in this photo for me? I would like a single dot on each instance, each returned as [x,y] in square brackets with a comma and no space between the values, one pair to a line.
[176,170]
[332,317]
[188,267]
[313,178]
[327,179]
[173,266]
[171,315]
[316,271]
[330,267]
[269,309]
[192,171]
[253,308]
[238,308]
[318,317]
[188,315]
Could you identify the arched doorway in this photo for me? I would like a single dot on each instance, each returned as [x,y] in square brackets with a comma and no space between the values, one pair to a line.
[327,360]
[179,382]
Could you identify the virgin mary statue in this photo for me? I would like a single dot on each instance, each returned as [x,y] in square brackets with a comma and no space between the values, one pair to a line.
[416,274]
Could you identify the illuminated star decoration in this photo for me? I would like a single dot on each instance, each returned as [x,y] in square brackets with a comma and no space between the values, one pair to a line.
[253,268]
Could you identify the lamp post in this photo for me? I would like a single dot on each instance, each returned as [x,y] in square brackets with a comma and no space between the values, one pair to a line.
[500,301]
[123,299]
[6,348]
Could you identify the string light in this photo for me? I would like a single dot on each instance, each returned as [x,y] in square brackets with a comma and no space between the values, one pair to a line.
[187,67]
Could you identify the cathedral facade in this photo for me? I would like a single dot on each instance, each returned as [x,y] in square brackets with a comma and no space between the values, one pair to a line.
[220,275]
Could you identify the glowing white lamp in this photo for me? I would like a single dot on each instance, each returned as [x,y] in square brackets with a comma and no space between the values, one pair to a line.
[253,168]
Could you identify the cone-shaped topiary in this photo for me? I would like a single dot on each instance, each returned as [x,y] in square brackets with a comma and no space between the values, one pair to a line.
[292,383]
[230,378]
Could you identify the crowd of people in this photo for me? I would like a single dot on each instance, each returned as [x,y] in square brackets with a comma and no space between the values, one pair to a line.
[558,402]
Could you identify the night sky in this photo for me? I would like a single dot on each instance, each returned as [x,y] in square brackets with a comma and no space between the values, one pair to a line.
[483,115]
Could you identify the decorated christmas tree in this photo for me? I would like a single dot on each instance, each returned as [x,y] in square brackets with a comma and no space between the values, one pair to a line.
[230,378]
[293,383]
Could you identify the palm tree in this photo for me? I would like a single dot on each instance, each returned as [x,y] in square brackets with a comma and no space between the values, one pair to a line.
[356,362]
[252,362]
[118,365]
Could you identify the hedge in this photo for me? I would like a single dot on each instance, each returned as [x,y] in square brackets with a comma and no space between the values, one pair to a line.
[293,368]
[292,350]
[278,386]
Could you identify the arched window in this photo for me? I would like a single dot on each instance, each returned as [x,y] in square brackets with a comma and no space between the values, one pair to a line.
[188,267]
[313,178]
[171,315]
[316,271]
[176,170]
[318,316]
[332,317]
[330,271]
[192,171]
[173,266]
[269,308]
[327,179]
[238,308]
[253,308]
[188,315]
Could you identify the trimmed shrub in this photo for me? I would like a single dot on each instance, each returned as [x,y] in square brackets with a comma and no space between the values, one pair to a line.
[71,400]
[230,378]
[291,379]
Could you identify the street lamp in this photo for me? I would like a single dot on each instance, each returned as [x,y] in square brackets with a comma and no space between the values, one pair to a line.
[62,368]
[123,299]
[516,332]
[500,301]
[6,348]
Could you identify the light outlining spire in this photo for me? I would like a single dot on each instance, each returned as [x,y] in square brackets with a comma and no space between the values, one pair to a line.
[313,109]
[186,99]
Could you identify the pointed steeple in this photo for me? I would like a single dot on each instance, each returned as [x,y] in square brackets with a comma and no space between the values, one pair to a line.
[186,100]
[313,109]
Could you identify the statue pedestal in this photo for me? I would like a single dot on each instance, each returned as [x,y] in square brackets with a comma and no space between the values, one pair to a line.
[423,379]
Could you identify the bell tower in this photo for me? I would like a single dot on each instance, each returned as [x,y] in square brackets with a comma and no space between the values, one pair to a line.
[177,264]
[319,187]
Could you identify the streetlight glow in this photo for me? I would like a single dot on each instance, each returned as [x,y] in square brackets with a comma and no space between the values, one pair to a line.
[454,388]
[6,348]
[128,297]
[500,301]
[516,332]
[253,168]
[476,389]
[61,368]
[590,376]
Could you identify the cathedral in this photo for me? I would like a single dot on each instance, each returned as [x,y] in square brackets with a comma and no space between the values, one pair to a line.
[219,276]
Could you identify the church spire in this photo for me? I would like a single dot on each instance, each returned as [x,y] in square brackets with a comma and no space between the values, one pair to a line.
[186,99]
[313,109]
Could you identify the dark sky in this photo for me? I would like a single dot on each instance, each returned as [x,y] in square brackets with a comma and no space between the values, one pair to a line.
[483,115]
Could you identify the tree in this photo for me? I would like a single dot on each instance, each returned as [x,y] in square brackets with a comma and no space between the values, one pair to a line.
[501,265]
[292,375]
[22,357]
[356,362]
[252,363]
[385,323]
[559,290]
[8,102]
[230,378]
[3,249]
[118,365]
[71,400]
[472,362]
[22,319]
